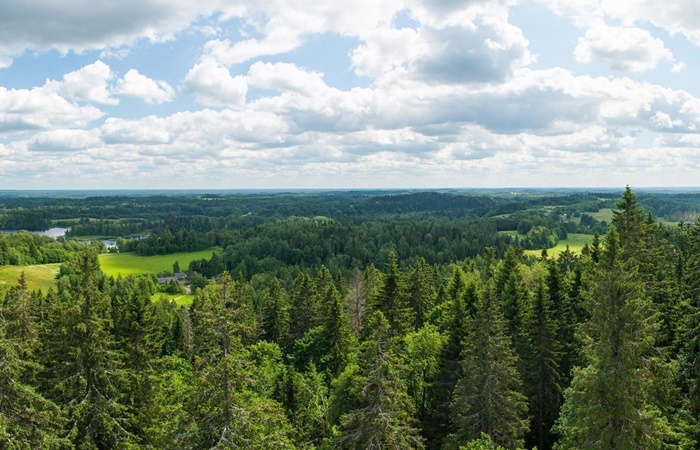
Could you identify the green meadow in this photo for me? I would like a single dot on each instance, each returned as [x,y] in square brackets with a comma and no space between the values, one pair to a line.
[40,276]
[179,299]
[574,241]
[124,264]
[605,214]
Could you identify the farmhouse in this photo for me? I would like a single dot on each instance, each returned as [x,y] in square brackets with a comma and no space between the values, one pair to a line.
[179,276]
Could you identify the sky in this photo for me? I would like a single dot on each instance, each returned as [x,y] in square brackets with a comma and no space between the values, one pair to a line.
[300,94]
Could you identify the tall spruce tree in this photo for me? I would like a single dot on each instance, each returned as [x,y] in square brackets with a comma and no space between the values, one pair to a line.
[27,419]
[541,375]
[384,418]
[223,411]
[392,300]
[83,371]
[610,403]
[488,397]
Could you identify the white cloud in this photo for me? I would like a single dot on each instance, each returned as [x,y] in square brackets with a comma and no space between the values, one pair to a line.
[79,25]
[487,52]
[91,83]
[385,49]
[676,17]
[283,25]
[149,130]
[286,77]
[64,140]
[140,86]
[36,109]
[212,85]
[278,41]
[626,49]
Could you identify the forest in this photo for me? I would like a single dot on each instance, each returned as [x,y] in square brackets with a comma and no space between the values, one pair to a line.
[357,320]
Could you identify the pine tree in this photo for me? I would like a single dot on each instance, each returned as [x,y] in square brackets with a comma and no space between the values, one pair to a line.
[83,370]
[27,420]
[392,300]
[541,376]
[610,403]
[488,398]
[383,419]
[223,412]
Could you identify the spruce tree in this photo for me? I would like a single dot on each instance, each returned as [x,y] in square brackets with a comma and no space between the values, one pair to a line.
[541,369]
[392,300]
[27,419]
[488,397]
[383,419]
[83,370]
[610,403]
[223,410]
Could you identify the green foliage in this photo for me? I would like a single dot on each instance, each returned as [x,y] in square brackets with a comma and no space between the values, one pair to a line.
[383,418]
[488,398]
[312,347]
[610,402]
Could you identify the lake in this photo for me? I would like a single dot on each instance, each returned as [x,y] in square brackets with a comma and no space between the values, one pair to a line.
[51,232]
[60,232]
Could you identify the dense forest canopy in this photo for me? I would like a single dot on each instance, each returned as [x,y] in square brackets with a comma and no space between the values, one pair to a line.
[352,320]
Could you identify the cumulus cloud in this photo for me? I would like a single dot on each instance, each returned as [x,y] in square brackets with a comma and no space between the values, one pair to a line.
[63,140]
[676,17]
[385,49]
[212,85]
[280,26]
[622,48]
[488,52]
[286,77]
[147,131]
[140,86]
[91,83]
[36,109]
[79,25]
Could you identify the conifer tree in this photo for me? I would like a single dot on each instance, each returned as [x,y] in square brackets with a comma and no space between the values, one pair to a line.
[339,341]
[83,370]
[275,315]
[392,300]
[541,375]
[304,308]
[27,420]
[610,402]
[488,397]
[421,292]
[356,300]
[223,411]
[383,420]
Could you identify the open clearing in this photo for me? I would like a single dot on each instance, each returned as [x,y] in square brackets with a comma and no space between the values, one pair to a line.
[574,241]
[180,299]
[40,276]
[124,264]
[605,214]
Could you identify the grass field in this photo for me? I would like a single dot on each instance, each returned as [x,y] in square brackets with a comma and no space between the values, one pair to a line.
[180,299]
[114,264]
[605,214]
[38,276]
[574,241]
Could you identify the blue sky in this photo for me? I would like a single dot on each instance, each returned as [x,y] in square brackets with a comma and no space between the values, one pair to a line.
[226,94]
